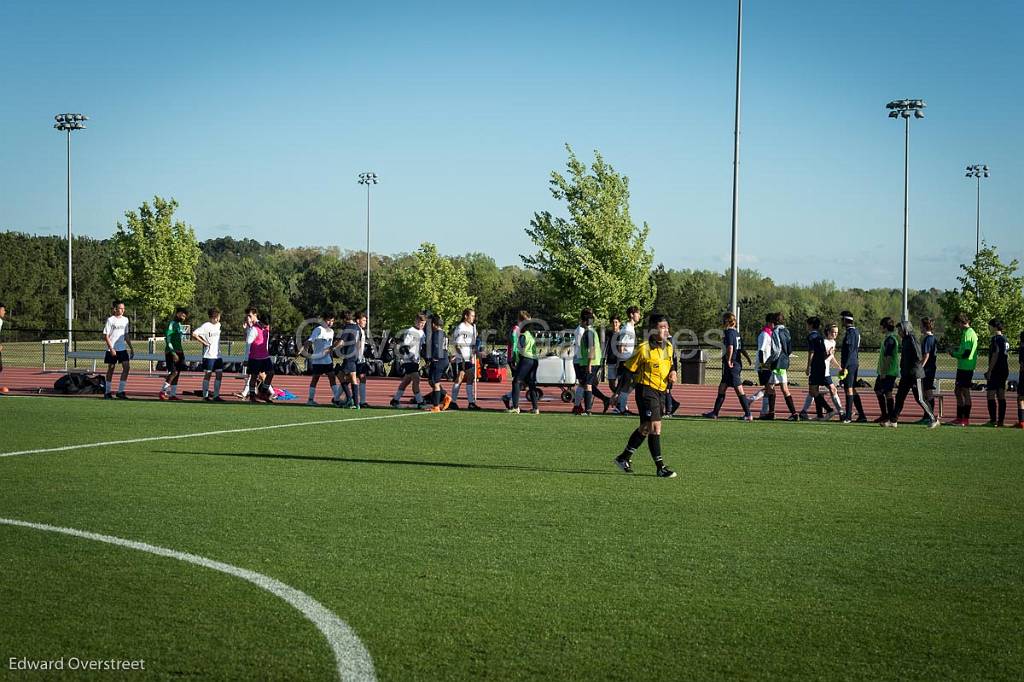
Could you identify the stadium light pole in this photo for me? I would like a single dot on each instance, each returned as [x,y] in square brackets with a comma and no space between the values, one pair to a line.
[368,179]
[68,123]
[905,109]
[978,171]
[733,300]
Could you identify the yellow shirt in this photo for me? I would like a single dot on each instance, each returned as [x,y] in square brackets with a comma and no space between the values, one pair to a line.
[651,365]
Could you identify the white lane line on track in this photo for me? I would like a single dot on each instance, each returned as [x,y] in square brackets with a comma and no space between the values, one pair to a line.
[352,660]
[150,439]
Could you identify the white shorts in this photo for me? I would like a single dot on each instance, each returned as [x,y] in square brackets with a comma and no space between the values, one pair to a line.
[779,377]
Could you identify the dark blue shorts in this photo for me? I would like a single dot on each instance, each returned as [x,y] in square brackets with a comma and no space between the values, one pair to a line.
[213,364]
[818,379]
[175,361]
[437,370]
[851,377]
[964,378]
[254,367]
[120,357]
[348,366]
[585,377]
[410,368]
[732,377]
[318,368]
[885,384]
[997,382]
[928,383]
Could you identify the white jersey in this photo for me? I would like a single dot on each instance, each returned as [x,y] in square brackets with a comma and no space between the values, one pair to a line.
[465,340]
[321,339]
[361,345]
[115,330]
[830,352]
[411,339]
[627,339]
[577,343]
[209,332]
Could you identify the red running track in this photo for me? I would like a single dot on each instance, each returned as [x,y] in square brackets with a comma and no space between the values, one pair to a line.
[695,399]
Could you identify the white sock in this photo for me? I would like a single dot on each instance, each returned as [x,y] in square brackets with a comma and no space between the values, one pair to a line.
[312,393]
[108,386]
[471,392]
[216,387]
[121,385]
[206,387]
[757,396]
[245,389]
[455,391]
[807,402]
[362,393]
[764,407]
[166,387]
[836,404]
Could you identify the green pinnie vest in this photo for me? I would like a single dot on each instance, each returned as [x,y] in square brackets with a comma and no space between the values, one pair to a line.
[889,366]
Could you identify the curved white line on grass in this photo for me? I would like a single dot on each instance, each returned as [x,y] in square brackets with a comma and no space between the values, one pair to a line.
[179,436]
[352,658]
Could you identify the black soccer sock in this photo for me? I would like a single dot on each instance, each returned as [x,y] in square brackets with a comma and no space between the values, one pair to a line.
[435,398]
[636,439]
[882,406]
[890,405]
[931,406]
[967,411]
[819,405]
[531,393]
[959,411]
[992,410]
[718,402]
[790,404]
[1002,410]
[860,406]
[771,404]
[588,400]
[1020,414]
[654,443]
[516,387]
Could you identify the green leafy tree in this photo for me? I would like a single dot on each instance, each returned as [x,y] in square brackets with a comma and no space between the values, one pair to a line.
[596,257]
[424,281]
[988,288]
[153,259]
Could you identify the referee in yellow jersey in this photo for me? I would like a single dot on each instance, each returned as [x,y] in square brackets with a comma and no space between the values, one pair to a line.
[652,368]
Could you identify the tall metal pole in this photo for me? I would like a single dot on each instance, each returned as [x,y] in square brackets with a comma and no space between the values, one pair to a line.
[977,241]
[71,304]
[368,259]
[733,301]
[906,212]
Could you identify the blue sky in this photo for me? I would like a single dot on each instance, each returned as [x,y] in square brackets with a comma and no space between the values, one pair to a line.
[258,117]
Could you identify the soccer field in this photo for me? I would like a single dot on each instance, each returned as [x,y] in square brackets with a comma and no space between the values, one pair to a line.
[491,546]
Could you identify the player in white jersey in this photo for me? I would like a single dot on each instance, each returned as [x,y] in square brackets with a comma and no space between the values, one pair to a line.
[208,334]
[362,366]
[466,355]
[119,350]
[408,356]
[319,349]
[624,351]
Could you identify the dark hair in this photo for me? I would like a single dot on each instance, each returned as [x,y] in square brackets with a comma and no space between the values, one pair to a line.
[962,318]
[846,315]
[213,311]
[632,309]
[769,318]
[252,309]
[887,323]
[656,319]
[361,314]
[927,324]
[586,313]
[2,305]
[615,318]
[327,315]
[780,318]
[181,309]
[437,320]
[996,324]
[729,320]
[466,312]
[814,321]
[116,303]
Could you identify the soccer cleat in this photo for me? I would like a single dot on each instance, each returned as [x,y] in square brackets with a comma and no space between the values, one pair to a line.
[446,402]
[535,410]
[108,396]
[435,408]
[506,401]
[665,472]
[607,404]
[793,418]
[710,415]
[879,420]
[1019,425]
[413,401]
[615,410]
[353,405]
[311,403]
[766,418]
[454,406]
[121,395]
[363,406]
[218,399]
[934,424]
[746,418]
[805,418]
[164,396]
[577,409]
[512,410]
[394,403]
[624,464]
[174,398]
[847,420]
[861,420]
[473,406]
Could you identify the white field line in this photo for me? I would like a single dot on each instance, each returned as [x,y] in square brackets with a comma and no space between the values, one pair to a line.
[352,659]
[150,439]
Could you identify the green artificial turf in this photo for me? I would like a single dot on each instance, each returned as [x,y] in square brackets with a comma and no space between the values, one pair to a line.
[491,546]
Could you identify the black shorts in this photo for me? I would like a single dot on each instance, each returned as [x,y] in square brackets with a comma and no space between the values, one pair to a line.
[526,370]
[851,377]
[928,383]
[885,384]
[586,377]
[255,367]
[650,404]
[318,368]
[764,376]
[120,357]
[732,377]
[348,366]
[362,368]
[175,361]
[436,370]
[964,378]
[460,365]
[818,379]
[410,368]
[997,382]
[213,364]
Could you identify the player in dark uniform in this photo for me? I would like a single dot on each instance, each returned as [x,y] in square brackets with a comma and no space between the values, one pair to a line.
[349,343]
[732,367]
[652,369]
[816,370]
[911,377]
[1020,378]
[849,361]
[998,373]
[437,364]
[174,354]
[928,348]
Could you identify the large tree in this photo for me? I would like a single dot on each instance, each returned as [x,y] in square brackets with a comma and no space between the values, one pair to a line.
[988,288]
[596,257]
[424,281]
[153,259]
